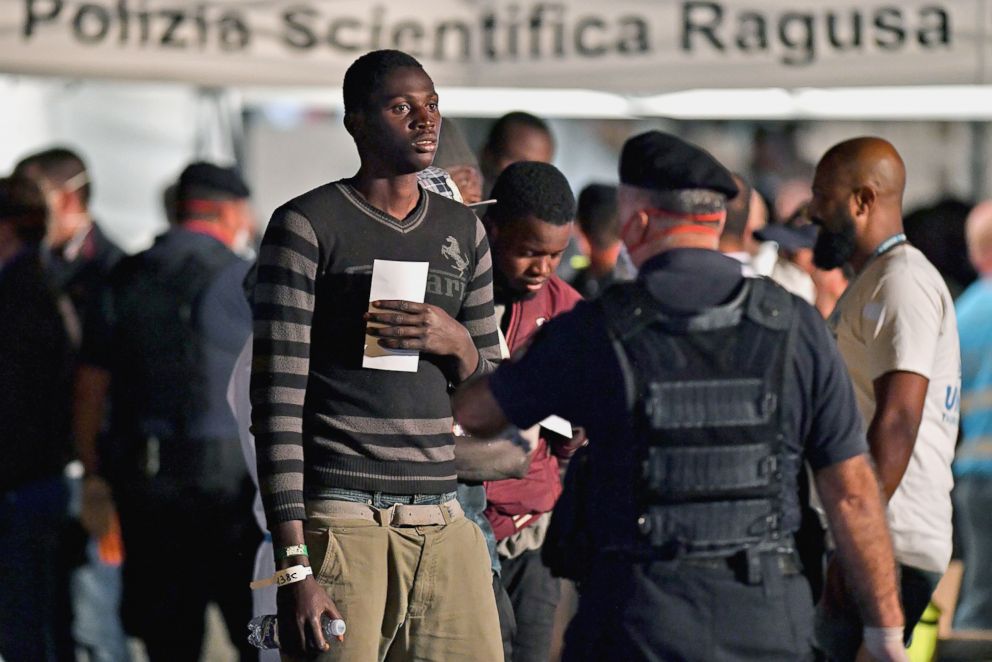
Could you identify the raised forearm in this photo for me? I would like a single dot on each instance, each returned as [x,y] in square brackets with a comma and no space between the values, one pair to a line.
[853,501]
[477,411]
[479,460]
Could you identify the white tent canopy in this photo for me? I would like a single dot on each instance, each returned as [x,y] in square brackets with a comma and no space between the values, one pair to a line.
[625,46]
[119,79]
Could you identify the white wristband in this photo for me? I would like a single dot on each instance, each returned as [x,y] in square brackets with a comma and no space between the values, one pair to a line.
[290,575]
[885,644]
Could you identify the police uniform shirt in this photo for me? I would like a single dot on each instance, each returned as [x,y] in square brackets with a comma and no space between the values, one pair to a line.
[571,369]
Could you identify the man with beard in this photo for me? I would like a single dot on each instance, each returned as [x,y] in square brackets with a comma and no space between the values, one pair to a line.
[356,467]
[896,329]
[703,392]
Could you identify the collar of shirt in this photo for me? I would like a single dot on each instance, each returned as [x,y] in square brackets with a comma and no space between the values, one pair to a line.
[208,228]
[690,279]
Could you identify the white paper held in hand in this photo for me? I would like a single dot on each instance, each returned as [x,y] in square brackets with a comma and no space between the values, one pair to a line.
[558,425]
[400,281]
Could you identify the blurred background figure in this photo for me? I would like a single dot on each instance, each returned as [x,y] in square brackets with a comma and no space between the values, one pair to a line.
[938,231]
[599,229]
[79,255]
[776,160]
[732,238]
[973,461]
[763,254]
[175,319]
[516,136]
[795,239]
[35,373]
[79,258]
[454,155]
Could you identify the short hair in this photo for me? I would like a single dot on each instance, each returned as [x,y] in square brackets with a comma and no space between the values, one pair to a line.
[500,132]
[366,75]
[529,188]
[738,209]
[597,215]
[58,165]
[688,201]
[23,204]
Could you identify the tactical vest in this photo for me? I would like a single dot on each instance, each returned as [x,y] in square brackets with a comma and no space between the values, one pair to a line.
[158,382]
[705,474]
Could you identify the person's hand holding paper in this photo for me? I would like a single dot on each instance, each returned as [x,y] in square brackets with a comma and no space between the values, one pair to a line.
[400,325]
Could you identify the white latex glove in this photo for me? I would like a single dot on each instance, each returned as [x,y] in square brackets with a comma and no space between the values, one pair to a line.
[885,644]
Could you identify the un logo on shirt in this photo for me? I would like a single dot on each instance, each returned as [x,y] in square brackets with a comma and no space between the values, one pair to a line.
[953,398]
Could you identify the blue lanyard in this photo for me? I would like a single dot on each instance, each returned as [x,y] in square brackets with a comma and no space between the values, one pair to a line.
[888,245]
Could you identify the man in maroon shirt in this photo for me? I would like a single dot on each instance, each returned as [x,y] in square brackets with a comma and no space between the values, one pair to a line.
[528,229]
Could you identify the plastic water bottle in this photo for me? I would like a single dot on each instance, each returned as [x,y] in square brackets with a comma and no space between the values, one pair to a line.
[263,631]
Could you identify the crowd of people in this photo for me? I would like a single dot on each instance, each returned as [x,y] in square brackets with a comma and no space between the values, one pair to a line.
[734,434]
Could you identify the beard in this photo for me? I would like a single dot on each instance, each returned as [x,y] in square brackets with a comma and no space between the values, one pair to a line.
[834,249]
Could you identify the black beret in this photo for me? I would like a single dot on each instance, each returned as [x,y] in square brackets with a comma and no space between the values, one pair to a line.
[206,180]
[663,162]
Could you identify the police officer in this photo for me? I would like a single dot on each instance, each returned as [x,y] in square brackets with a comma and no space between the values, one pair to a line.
[170,327]
[704,393]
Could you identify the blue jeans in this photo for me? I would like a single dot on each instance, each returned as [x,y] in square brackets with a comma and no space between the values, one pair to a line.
[96,604]
[972,504]
[96,599]
[31,521]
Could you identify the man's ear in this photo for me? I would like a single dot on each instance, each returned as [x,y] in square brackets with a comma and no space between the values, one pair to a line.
[633,231]
[862,201]
[353,123]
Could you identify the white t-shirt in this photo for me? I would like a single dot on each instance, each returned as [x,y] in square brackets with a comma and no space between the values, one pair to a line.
[898,315]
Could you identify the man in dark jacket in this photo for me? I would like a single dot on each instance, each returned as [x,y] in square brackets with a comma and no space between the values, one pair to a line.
[34,439]
[175,318]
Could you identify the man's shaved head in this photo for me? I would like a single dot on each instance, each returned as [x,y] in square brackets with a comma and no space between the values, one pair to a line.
[865,161]
[978,232]
[857,200]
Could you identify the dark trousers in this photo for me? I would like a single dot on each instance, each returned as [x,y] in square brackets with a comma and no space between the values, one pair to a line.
[507,622]
[667,611]
[534,594]
[972,505]
[34,610]
[181,555]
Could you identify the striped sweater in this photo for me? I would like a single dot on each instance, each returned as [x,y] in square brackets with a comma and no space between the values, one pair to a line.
[321,420]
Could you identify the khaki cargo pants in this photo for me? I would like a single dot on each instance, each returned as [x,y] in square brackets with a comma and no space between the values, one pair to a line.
[405,592]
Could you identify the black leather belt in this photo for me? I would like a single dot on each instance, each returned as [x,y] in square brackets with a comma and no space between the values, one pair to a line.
[749,566]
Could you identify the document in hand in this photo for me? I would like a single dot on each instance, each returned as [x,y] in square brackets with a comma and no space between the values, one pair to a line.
[401,281]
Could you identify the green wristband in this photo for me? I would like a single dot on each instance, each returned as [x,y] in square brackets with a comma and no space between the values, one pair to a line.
[293,550]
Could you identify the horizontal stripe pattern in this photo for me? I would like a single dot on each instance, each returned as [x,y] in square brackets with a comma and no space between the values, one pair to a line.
[319,420]
[478,313]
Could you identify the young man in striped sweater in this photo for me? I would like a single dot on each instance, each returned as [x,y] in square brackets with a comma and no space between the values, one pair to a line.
[359,464]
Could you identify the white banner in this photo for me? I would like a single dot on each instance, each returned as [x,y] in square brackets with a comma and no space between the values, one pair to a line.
[630,46]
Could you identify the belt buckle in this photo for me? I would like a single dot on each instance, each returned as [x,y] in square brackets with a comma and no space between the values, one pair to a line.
[386,516]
